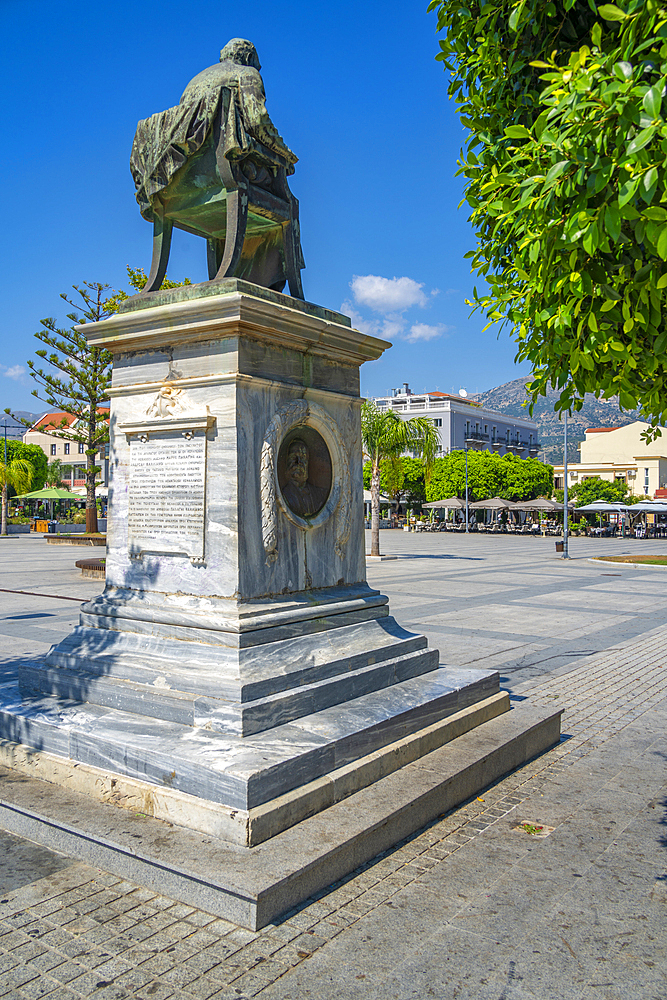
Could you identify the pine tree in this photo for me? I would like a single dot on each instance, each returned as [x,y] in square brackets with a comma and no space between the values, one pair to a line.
[81,390]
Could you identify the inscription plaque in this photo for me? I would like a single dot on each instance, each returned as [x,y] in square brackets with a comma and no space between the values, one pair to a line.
[167,494]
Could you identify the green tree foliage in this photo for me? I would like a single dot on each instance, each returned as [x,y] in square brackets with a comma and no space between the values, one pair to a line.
[80,387]
[137,279]
[385,437]
[17,473]
[31,453]
[401,479]
[489,475]
[592,489]
[55,474]
[82,374]
[566,175]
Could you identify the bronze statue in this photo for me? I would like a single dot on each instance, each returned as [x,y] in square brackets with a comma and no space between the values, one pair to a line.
[302,496]
[216,166]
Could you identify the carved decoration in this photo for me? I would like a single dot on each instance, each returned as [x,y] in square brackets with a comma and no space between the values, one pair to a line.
[289,416]
[297,413]
[169,402]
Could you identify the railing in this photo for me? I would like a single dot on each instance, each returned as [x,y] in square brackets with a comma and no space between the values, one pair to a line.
[475,437]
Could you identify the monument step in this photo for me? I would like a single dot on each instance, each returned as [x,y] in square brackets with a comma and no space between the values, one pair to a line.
[240,772]
[246,675]
[224,716]
[254,886]
[234,623]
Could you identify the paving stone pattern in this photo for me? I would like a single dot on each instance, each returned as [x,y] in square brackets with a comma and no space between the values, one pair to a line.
[79,932]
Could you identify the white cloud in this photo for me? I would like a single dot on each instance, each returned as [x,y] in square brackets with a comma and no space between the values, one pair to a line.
[422,331]
[386,328]
[16,372]
[387,295]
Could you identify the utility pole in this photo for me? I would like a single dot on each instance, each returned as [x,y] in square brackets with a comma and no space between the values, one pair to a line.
[566,525]
[467,512]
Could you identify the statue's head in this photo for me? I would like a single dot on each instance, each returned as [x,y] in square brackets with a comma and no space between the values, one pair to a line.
[297,462]
[241,51]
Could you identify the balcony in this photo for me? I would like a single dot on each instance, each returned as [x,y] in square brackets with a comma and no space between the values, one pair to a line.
[475,439]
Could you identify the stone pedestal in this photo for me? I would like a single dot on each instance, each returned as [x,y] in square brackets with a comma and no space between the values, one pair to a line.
[237,653]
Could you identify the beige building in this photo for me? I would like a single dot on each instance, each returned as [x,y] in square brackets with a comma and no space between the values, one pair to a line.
[614,453]
[71,453]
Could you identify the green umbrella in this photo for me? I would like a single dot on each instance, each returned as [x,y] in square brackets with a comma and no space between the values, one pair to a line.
[49,493]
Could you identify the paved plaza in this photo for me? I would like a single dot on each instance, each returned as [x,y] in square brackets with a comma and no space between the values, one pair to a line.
[474,905]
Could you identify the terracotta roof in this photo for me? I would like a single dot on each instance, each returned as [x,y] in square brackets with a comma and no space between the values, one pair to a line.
[599,430]
[49,420]
[52,421]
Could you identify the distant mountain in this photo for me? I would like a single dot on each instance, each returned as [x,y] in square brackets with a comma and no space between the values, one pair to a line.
[508,398]
[16,430]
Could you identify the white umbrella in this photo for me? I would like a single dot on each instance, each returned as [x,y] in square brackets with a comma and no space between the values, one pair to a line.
[600,507]
[450,503]
[495,503]
[542,503]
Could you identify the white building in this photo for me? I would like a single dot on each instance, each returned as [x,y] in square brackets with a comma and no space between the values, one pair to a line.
[463,423]
[72,454]
[620,453]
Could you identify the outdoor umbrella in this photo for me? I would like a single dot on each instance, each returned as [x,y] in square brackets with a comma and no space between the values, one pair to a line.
[49,493]
[451,503]
[367,497]
[495,503]
[103,492]
[601,507]
[542,503]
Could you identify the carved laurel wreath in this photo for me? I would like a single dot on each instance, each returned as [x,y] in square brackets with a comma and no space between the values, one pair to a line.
[295,414]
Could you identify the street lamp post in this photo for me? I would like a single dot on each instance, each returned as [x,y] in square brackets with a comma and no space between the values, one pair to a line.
[465,445]
[5,488]
[566,525]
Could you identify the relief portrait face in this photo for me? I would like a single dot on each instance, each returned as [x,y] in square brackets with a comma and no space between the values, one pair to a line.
[304,471]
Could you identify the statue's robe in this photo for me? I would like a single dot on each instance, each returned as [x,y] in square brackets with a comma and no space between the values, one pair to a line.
[163,142]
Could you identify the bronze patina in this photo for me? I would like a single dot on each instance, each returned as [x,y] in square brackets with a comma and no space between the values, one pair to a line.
[216,166]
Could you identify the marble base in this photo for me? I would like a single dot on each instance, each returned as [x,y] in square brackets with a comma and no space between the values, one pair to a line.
[231,667]
[237,653]
[248,827]
[254,886]
[236,771]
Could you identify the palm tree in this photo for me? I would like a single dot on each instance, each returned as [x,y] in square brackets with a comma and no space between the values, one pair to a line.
[55,474]
[18,474]
[385,436]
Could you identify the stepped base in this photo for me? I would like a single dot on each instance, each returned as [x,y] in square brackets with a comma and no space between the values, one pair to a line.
[239,772]
[253,886]
[233,668]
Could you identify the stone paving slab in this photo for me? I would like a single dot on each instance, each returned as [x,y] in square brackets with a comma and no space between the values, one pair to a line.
[397,928]
[470,887]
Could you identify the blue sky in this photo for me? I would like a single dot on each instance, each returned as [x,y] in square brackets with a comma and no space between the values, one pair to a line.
[355,91]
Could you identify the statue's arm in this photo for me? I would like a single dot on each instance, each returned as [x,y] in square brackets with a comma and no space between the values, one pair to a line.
[257,119]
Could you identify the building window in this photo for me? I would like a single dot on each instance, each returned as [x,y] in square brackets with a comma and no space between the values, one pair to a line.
[53,449]
[82,448]
[67,449]
[646,481]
